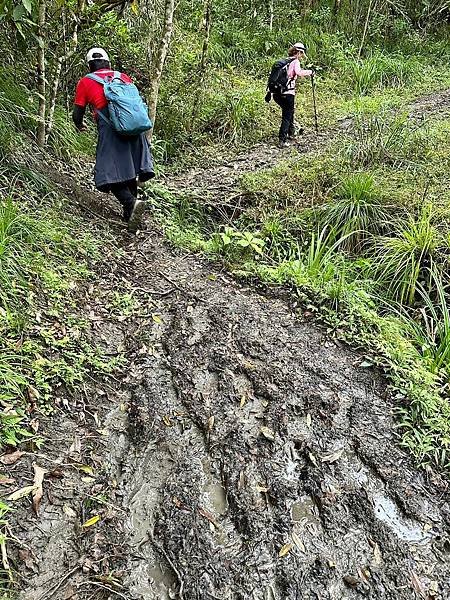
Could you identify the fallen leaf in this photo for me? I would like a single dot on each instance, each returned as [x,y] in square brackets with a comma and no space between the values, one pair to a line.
[298,542]
[68,510]
[6,480]
[157,319]
[262,489]
[364,574]
[351,581]
[377,557]
[25,491]
[13,457]
[331,458]
[285,550]
[418,585]
[167,421]
[243,401]
[88,479]
[365,364]
[26,557]
[39,473]
[313,459]
[86,469]
[34,425]
[308,419]
[268,433]
[75,448]
[91,521]
[211,422]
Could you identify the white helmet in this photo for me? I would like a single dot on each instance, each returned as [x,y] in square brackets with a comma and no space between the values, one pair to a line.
[96,54]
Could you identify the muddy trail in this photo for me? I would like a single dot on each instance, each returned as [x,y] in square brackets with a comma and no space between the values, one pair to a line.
[237,453]
[220,184]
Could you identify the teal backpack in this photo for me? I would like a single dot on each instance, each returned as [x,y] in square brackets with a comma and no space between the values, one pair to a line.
[128,114]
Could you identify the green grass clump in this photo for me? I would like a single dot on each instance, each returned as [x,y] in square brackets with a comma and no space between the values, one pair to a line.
[385,140]
[355,212]
[407,257]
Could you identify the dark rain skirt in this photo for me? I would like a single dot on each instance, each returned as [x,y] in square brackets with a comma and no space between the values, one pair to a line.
[119,158]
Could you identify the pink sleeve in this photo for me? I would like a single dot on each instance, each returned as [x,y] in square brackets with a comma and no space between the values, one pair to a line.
[305,73]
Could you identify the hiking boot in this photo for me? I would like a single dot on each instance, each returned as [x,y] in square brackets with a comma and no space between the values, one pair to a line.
[283,144]
[127,210]
[135,217]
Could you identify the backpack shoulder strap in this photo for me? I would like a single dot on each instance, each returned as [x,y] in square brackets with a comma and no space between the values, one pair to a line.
[96,78]
[117,75]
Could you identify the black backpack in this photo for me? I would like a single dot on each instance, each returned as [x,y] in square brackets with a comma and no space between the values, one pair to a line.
[278,78]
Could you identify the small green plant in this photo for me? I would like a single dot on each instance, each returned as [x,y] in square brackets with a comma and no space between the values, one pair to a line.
[124,303]
[235,242]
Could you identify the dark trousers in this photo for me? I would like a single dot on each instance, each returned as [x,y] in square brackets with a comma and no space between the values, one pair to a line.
[287,104]
[126,194]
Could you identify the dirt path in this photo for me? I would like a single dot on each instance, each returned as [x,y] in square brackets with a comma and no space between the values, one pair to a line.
[236,433]
[206,184]
[238,454]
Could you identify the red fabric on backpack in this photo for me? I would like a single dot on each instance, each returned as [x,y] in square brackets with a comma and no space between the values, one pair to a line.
[91,92]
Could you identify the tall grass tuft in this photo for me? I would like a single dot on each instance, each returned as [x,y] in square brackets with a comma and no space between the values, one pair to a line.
[407,258]
[384,140]
[356,213]
[431,333]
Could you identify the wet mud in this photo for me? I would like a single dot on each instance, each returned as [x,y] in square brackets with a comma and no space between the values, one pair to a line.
[238,453]
[242,454]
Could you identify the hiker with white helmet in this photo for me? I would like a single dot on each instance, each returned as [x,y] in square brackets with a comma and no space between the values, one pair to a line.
[281,86]
[123,155]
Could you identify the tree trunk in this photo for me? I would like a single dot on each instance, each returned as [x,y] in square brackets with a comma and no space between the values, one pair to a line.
[206,22]
[336,7]
[58,68]
[160,59]
[40,135]
[270,10]
[366,27]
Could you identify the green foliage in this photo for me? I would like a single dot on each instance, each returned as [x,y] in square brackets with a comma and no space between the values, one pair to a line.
[235,243]
[41,260]
[430,326]
[407,257]
[357,212]
[385,140]
[380,70]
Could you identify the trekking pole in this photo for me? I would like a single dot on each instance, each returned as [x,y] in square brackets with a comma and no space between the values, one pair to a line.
[313,86]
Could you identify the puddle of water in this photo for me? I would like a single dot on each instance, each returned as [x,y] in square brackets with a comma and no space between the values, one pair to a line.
[217,497]
[405,529]
[161,578]
[303,510]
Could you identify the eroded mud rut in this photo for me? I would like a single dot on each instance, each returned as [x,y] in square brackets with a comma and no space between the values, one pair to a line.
[240,453]
[243,454]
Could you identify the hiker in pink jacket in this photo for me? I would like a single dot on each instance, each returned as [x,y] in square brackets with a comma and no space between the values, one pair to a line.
[284,96]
